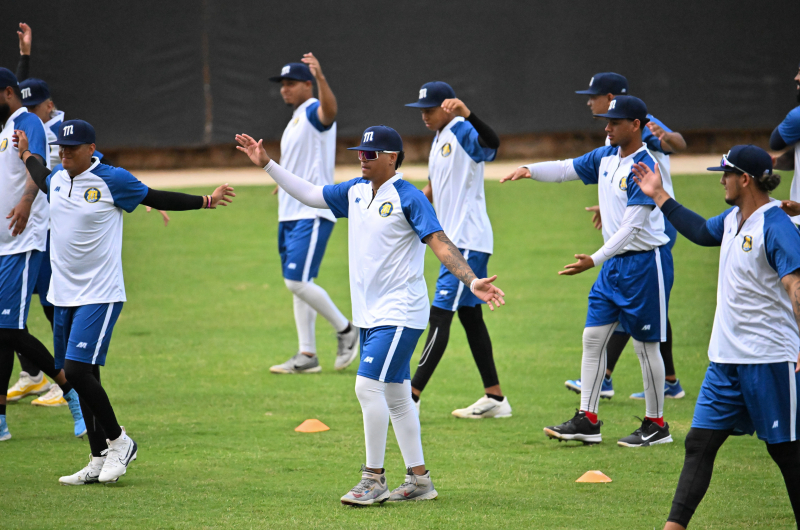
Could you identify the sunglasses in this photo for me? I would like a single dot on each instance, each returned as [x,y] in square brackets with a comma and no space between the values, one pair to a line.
[365,156]
[727,163]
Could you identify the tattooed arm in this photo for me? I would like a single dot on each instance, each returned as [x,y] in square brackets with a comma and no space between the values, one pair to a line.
[791,282]
[452,258]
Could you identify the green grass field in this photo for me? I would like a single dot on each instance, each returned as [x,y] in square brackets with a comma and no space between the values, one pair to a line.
[208,314]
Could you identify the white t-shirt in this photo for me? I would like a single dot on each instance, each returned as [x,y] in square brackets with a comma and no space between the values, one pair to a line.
[308,149]
[14,180]
[754,322]
[455,169]
[86,233]
[617,190]
[386,253]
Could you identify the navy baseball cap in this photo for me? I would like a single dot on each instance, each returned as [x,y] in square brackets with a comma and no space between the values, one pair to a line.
[432,95]
[75,132]
[7,78]
[626,108]
[747,159]
[606,83]
[379,138]
[296,71]
[34,91]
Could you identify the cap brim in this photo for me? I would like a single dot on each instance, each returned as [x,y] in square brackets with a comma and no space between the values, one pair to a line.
[69,142]
[279,78]
[34,102]
[363,148]
[644,121]
[717,168]
[590,92]
[419,105]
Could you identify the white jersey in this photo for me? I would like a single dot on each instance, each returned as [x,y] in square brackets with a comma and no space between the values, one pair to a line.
[617,190]
[385,249]
[754,322]
[308,149]
[789,130]
[455,169]
[86,233]
[52,126]
[656,150]
[14,179]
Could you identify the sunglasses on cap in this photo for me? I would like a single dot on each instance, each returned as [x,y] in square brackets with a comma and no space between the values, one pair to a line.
[366,156]
[728,164]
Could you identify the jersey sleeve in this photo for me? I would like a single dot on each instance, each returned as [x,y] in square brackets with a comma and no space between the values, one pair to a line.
[467,138]
[789,128]
[635,194]
[781,242]
[651,140]
[37,138]
[337,196]
[418,210]
[588,166]
[127,191]
[313,117]
[716,225]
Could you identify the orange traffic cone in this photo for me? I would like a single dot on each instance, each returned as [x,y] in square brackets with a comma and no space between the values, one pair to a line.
[312,426]
[594,477]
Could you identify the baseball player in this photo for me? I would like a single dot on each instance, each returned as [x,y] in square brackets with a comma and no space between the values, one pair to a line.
[787,134]
[87,199]
[389,220]
[634,283]
[661,141]
[462,146]
[751,383]
[308,149]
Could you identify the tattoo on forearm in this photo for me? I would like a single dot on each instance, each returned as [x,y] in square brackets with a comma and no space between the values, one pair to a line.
[453,259]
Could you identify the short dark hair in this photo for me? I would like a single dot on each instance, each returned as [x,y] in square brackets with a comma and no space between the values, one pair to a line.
[400,157]
[17,91]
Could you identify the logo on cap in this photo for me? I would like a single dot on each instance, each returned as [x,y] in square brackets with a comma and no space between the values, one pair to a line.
[68,129]
[446,150]
[747,244]
[386,209]
[367,137]
[423,93]
[92,195]
[612,104]
[4,145]
[591,81]
[285,70]
[26,93]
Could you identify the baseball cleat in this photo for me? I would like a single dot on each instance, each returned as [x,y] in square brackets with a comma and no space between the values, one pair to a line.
[347,350]
[671,391]
[121,452]
[606,389]
[485,407]
[371,490]
[88,475]
[415,488]
[4,434]
[298,364]
[579,428]
[53,398]
[646,435]
[77,416]
[27,385]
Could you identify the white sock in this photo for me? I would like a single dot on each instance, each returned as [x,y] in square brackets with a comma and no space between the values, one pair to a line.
[593,364]
[318,298]
[371,395]
[649,354]
[405,421]
[305,319]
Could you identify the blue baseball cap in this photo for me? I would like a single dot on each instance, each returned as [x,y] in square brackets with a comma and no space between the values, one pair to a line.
[296,71]
[432,95]
[379,138]
[606,83]
[746,159]
[7,78]
[626,108]
[75,132]
[34,91]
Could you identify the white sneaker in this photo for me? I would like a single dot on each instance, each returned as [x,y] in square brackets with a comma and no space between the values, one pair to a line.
[485,407]
[88,475]
[53,398]
[348,347]
[27,385]
[121,452]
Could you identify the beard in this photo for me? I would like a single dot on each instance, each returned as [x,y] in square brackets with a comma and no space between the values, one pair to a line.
[5,113]
[731,202]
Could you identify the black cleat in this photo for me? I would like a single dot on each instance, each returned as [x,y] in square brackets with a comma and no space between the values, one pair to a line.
[579,428]
[648,434]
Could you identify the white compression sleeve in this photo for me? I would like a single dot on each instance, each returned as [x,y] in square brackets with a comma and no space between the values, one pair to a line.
[558,171]
[632,223]
[371,395]
[305,318]
[318,298]
[649,354]
[593,364]
[302,190]
[405,422]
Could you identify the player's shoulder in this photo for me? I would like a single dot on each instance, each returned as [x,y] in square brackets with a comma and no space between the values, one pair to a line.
[604,151]
[28,119]
[462,126]
[794,115]
[777,220]
[111,173]
[644,156]
[405,188]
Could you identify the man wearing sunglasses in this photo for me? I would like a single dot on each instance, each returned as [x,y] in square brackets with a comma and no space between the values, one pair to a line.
[462,146]
[388,222]
[661,142]
[634,283]
[308,149]
[785,135]
[752,380]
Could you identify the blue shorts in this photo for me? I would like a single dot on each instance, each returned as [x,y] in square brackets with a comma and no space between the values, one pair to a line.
[302,244]
[750,398]
[43,280]
[451,293]
[83,333]
[18,273]
[633,289]
[386,353]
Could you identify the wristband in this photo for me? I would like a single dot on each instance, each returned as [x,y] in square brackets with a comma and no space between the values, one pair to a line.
[23,153]
[472,285]
[209,202]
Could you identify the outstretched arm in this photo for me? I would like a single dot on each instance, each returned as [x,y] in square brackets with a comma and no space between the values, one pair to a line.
[302,190]
[791,282]
[452,258]
[178,202]
[558,171]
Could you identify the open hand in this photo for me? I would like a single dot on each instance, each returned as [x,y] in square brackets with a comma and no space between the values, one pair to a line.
[25,37]
[584,263]
[657,130]
[456,106]
[597,220]
[313,65]
[487,292]
[648,181]
[519,173]
[220,196]
[255,150]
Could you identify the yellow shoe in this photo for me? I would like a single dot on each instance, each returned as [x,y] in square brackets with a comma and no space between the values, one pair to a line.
[26,386]
[54,398]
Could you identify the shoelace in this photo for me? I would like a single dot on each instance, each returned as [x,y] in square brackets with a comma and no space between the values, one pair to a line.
[364,485]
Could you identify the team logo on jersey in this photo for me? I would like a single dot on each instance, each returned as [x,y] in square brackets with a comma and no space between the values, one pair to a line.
[747,244]
[92,195]
[4,145]
[446,150]
[623,184]
[296,121]
[386,209]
